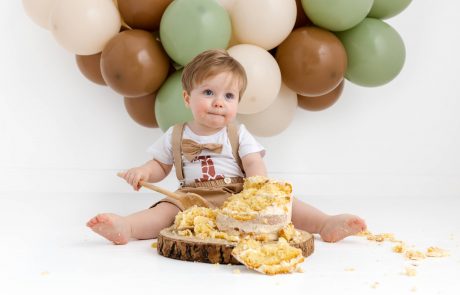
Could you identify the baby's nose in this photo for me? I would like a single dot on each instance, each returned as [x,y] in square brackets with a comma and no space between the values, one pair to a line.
[218,103]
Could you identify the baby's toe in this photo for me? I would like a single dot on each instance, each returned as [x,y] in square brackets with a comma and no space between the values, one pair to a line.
[357,224]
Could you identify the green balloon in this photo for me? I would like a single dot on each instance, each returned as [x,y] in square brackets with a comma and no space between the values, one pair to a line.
[336,15]
[384,9]
[375,51]
[169,103]
[189,27]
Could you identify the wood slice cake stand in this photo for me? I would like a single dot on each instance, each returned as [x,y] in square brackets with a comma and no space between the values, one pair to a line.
[219,251]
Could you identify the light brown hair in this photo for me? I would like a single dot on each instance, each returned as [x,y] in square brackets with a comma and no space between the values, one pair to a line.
[210,63]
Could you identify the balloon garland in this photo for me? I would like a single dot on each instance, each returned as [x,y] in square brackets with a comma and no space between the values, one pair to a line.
[296,53]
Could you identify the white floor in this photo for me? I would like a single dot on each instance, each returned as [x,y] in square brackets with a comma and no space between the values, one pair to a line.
[46,249]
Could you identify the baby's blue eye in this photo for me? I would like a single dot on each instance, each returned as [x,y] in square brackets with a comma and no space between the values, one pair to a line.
[208,92]
[229,96]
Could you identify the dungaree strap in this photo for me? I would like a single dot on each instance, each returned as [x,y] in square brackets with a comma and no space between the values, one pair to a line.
[177,152]
[232,131]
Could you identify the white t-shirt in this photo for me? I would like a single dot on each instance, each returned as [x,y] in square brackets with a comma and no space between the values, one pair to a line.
[208,165]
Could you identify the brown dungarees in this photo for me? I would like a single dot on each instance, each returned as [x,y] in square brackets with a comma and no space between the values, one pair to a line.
[213,192]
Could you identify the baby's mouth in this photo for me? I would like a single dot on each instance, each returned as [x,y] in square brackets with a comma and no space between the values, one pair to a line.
[216,114]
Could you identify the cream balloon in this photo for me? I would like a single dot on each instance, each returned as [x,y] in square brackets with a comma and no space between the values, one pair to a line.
[276,118]
[228,5]
[264,77]
[265,23]
[84,27]
[39,11]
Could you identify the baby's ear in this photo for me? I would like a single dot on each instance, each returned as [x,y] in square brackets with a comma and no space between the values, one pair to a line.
[186,98]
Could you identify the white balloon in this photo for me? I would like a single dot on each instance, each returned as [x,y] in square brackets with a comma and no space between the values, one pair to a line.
[264,77]
[265,23]
[39,11]
[276,118]
[84,26]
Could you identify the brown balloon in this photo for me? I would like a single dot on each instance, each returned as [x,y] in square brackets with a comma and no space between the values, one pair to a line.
[319,103]
[302,19]
[124,28]
[142,110]
[90,67]
[133,63]
[312,61]
[273,51]
[143,14]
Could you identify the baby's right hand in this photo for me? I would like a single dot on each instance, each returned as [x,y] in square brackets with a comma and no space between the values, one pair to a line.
[134,176]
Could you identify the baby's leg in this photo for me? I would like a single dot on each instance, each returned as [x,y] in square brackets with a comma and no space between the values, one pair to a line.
[142,225]
[148,223]
[332,228]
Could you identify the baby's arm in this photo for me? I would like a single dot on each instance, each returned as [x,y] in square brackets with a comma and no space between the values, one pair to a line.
[152,171]
[254,165]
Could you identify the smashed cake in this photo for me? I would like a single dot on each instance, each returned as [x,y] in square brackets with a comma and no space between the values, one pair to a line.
[200,222]
[262,208]
[256,222]
[268,258]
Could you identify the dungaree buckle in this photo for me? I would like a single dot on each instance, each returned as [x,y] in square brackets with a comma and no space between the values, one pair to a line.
[181,183]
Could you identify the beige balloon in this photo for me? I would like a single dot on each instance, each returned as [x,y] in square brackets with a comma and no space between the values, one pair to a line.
[39,11]
[276,118]
[84,27]
[264,77]
[233,41]
[265,23]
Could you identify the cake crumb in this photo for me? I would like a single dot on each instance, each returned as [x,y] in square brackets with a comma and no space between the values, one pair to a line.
[379,237]
[374,285]
[349,269]
[414,255]
[410,271]
[44,273]
[400,248]
[236,271]
[363,233]
[436,252]
[154,245]
[414,289]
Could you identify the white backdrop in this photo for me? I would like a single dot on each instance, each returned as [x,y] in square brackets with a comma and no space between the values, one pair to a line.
[59,132]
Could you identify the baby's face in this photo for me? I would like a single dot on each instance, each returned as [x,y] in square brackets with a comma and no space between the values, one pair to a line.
[214,102]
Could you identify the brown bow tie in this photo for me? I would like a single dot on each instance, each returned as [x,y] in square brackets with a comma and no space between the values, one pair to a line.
[191,149]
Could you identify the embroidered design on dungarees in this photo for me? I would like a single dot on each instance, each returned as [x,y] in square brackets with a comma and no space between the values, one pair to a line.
[207,169]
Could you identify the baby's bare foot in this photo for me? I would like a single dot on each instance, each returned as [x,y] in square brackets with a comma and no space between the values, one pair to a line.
[112,227]
[338,227]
